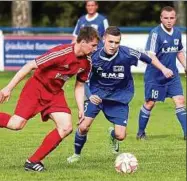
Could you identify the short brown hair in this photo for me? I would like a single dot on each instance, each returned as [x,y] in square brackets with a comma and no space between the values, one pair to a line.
[168,8]
[88,34]
[96,3]
[113,30]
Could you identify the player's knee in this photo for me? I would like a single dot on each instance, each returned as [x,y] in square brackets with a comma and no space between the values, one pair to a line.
[180,102]
[66,130]
[120,136]
[83,129]
[149,105]
[16,124]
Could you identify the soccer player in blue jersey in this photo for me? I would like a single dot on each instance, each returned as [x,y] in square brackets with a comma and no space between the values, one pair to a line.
[111,88]
[92,18]
[164,43]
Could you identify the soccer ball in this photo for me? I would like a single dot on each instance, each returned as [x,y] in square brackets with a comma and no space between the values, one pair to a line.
[126,163]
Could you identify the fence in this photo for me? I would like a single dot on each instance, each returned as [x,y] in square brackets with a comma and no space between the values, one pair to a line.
[20,45]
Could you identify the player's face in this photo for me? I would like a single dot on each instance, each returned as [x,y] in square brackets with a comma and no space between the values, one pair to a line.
[111,44]
[91,7]
[168,19]
[89,47]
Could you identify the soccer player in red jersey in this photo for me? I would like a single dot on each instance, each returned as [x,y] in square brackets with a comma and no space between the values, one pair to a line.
[43,92]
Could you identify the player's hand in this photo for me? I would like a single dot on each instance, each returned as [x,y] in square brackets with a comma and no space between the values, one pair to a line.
[5,94]
[167,73]
[81,117]
[95,99]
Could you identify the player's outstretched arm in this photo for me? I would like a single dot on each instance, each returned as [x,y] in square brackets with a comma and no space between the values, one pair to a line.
[167,72]
[6,91]
[79,96]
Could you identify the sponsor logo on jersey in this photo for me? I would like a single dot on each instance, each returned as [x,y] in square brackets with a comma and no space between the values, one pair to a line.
[165,41]
[118,68]
[176,41]
[113,75]
[62,77]
[170,49]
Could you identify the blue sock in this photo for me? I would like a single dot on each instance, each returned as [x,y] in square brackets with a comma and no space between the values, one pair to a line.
[143,119]
[181,115]
[79,141]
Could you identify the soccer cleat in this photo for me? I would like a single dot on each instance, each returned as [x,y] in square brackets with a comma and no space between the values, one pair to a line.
[30,166]
[73,158]
[141,136]
[113,142]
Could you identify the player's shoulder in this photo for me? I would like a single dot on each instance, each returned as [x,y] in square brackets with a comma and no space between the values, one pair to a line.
[156,29]
[95,54]
[101,16]
[124,49]
[128,51]
[177,30]
[82,18]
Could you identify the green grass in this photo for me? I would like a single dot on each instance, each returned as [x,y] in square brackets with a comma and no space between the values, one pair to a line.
[161,158]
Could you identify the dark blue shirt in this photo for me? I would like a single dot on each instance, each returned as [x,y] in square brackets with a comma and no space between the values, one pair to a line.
[111,76]
[165,46]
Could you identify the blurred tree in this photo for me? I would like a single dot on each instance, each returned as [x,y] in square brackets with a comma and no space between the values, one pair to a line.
[5,13]
[180,7]
[56,13]
[21,14]
[66,13]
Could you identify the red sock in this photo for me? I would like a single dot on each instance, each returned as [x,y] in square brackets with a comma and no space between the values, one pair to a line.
[4,118]
[50,142]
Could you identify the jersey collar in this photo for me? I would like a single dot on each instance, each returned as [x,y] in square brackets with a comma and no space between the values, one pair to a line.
[168,32]
[105,58]
[91,19]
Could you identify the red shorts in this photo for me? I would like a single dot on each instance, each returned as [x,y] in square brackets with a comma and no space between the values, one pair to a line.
[35,98]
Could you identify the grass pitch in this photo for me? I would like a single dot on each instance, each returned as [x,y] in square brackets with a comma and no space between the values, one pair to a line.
[161,158]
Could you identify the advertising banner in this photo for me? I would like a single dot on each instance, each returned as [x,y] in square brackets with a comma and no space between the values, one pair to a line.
[18,50]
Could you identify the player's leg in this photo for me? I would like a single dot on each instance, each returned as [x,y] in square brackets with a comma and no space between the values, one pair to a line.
[91,111]
[14,122]
[80,139]
[175,91]
[63,128]
[26,108]
[153,93]
[116,113]
[181,112]
[144,118]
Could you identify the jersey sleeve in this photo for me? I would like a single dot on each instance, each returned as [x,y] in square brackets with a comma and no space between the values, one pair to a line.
[180,43]
[134,56]
[105,23]
[152,44]
[77,28]
[49,59]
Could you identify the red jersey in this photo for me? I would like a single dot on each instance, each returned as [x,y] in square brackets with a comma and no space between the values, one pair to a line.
[59,64]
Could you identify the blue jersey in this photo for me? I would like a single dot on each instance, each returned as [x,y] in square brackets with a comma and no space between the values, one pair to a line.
[111,77]
[165,46]
[99,22]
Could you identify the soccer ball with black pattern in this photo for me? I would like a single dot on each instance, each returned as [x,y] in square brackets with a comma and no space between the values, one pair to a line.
[126,163]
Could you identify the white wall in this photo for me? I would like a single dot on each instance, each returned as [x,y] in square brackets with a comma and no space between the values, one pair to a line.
[138,42]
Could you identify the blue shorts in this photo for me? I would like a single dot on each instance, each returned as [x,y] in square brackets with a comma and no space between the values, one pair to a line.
[115,112]
[157,92]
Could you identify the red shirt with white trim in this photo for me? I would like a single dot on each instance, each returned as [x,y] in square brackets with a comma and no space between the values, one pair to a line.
[58,65]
